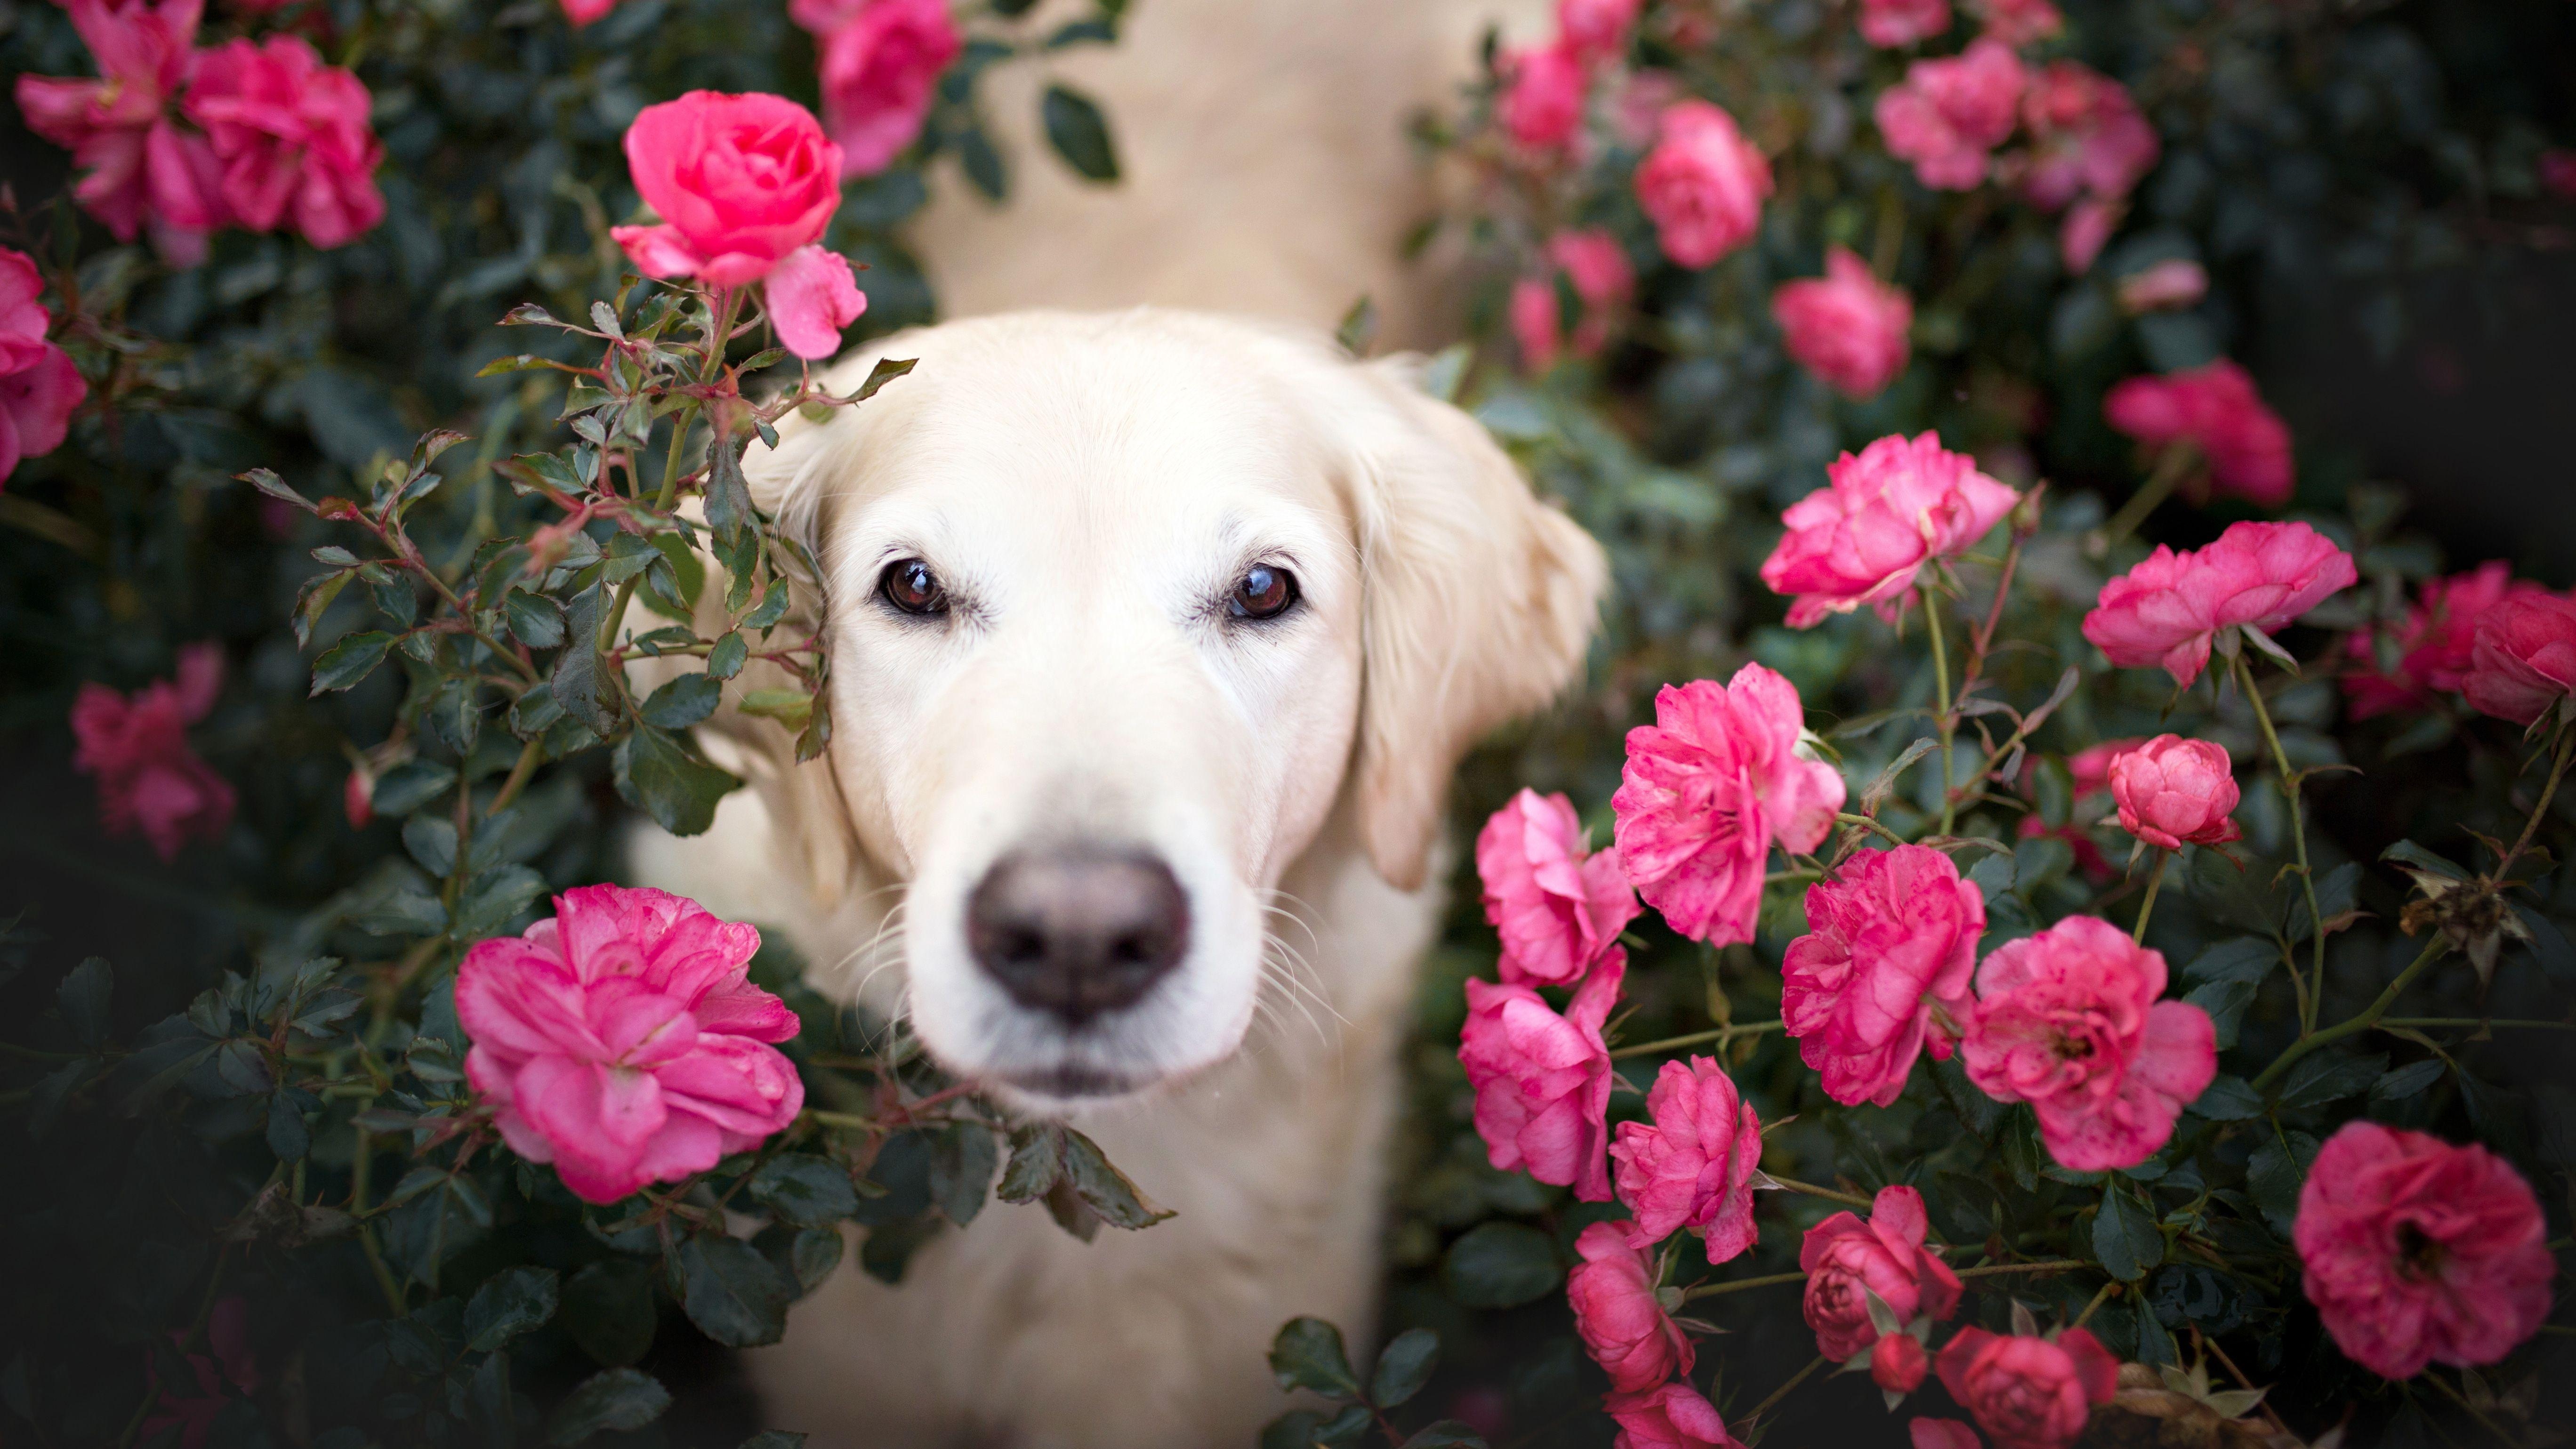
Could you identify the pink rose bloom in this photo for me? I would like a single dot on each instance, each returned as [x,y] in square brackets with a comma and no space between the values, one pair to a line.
[2524,659]
[812,295]
[1536,330]
[1596,264]
[2215,408]
[1846,327]
[1616,1313]
[1694,1164]
[1889,24]
[1596,29]
[1672,1417]
[2169,609]
[1942,1434]
[1882,516]
[1893,936]
[2558,173]
[142,168]
[227,1371]
[1706,790]
[881,61]
[2086,230]
[2028,1392]
[294,139]
[1558,907]
[1703,184]
[137,746]
[1542,95]
[2437,641]
[1542,1081]
[2420,1252]
[2173,282]
[2172,791]
[739,182]
[1843,1255]
[622,1041]
[39,386]
[2019,22]
[1897,1363]
[2087,137]
[1947,114]
[2068,1021]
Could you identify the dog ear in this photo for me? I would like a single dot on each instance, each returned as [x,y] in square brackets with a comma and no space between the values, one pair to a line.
[1478,602]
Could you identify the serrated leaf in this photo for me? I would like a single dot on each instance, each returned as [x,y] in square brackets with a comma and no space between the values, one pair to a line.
[511,1302]
[2228,1099]
[660,776]
[728,493]
[2274,1173]
[886,370]
[733,1293]
[351,660]
[275,487]
[683,702]
[85,994]
[617,1399]
[805,1189]
[534,619]
[1404,1366]
[962,1158]
[2329,1076]
[2125,1239]
[2403,1082]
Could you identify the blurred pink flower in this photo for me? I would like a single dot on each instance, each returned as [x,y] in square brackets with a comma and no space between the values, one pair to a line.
[1889,24]
[1847,327]
[1890,938]
[2018,22]
[1617,1315]
[812,296]
[294,139]
[2028,1392]
[1947,114]
[2172,791]
[1557,908]
[2173,282]
[225,1372]
[1596,266]
[2086,230]
[623,1042]
[137,746]
[2524,660]
[579,12]
[1536,329]
[1703,185]
[1707,788]
[739,182]
[1693,1163]
[2087,137]
[1861,539]
[2216,409]
[2169,609]
[1596,29]
[2069,1022]
[1672,1417]
[2420,1252]
[39,386]
[2436,641]
[1897,1363]
[880,67]
[1542,95]
[1942,1434]
[1542,1081]
[1842,1255]
[2557,167]
[142,169]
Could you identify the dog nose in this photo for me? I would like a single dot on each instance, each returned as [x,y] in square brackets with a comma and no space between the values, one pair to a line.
[1078,932]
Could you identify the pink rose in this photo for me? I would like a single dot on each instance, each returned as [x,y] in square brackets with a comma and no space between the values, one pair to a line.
[1597,267]
[142,169]
[1616,1313]
[2215,408]
[739,182]
[2028,1392]
[2019,22]
[137,746]
[2173,282]
[2172,791]
[2524,659]
[2557,168]
[1535,327]
[1947,114]
[1672,1417]
[2169,609]
[1892,937]
[1889,24]
[1703,184]
[293,137]
[881,61]
[2420,1252]
[2436,641]
[1897,1363]
[622,1042]
[225,1372]
[2089,770]
[1843,1255]
[812,296]
[1694,1163]
[1542,1081]
[1847,327]
[1558,908]
[1596,264]
[1542,95]
[2068,1021]
[39,386]
[1942,1434]
[2087,137]
[1707,788]
[1596,29]
[1884,514]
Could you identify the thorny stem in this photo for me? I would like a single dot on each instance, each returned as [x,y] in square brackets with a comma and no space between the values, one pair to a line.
[1720,1035]
[1782,1392]
[2298,837]
[2102,1296]
[2557,772]
[1985,634]
[2147,907]
[1948,723]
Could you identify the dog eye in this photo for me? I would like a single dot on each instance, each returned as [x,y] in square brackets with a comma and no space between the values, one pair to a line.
[910,586]
[1263,593]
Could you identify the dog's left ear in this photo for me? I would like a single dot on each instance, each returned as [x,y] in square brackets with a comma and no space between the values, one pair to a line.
[1478,602]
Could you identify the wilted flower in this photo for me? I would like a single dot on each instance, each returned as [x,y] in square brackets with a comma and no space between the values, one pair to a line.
[1847,327]
[1894,935]
[1542,1081]
[2169,610]
[1622,1323]
[1898,505]
[137,745]
[1557,908]
[1693,1163]
[1703,185]
[2172,791]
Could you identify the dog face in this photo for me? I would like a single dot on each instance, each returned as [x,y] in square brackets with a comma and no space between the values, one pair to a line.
[1115,605]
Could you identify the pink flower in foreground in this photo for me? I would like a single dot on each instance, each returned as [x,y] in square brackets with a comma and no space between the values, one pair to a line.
[2028,1392]
[622,1041]
[2215,408]
[137,746]
[880,66]
[1558,908]
[1942,1434]
[225,1372]
[2172,791]
[2087,137]
[2173,282]
[141,169]
[2557,169]
[293,137]
[2524,659]
[1596,29]
[2168,610]
[1707,788]
[1948,114]
[739,182]
[1843,1255]
[1897,1363]
[1889,24]
[812,295]
[1541,103]
[1883,515]
[2068,1021]
[1703,185]
[2019,22]
[1694,1163]
[1888,940]
[2420,1252]
[2436,642]
[1672,1417]
[1847,327]
[1622,1323]
[39,386]
[1542,1081]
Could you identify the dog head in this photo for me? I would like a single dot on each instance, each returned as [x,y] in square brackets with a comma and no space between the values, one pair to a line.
[1118,608]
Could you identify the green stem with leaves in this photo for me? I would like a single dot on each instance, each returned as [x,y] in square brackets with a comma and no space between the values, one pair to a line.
[2316,993]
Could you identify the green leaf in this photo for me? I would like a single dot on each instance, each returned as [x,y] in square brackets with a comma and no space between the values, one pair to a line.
[288,1135]
[535,620]
[2125,1237]
[2406,1081]
[1037,1162]
[805,1189]
[608,1310]
[582,687]
[618,1399]
[962,1158]
[2330,1076]
[774,1439]
[511,1302]
[1404,1366]
[2337,892]
[1501,1265]
[493,897]
[2273,1174]
[2407,852]
[1358,327]
[732,1293]
[432,842]
[275,487]
[352,659]
[1445,1434]
[1104,1189]
[657,774]
[683,702]
[2228,1099]
[2225,1001]
[725,659]
[886,371]
[408,786]
[84,995]
[728,493]
[1079,133]
[2240,958]
[1308,1354]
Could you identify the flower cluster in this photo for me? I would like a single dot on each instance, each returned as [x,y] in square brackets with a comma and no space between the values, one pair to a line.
[149,779]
